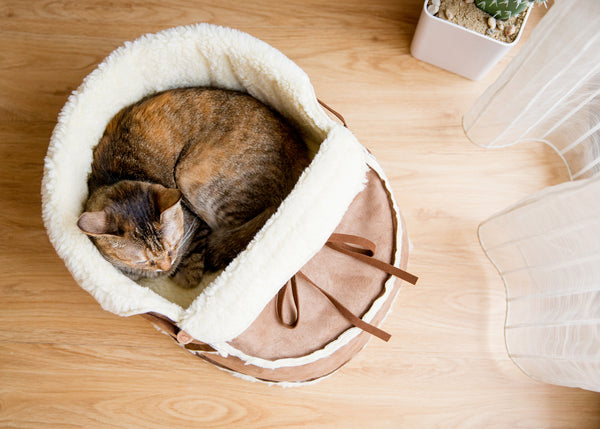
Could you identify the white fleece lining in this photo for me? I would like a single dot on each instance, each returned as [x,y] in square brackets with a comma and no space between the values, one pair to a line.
[226,349]
[201,55]
[282,384]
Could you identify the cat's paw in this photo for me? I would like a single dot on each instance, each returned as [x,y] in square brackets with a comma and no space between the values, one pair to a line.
[182,279]
[190,272]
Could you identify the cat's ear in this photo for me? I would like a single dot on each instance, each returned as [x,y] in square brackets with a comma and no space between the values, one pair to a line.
[95,223]
[171,212]
[166,197]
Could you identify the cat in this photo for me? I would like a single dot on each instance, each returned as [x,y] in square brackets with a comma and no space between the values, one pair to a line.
[182,180]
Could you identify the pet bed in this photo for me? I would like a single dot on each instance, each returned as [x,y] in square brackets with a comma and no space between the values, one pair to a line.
[307,292]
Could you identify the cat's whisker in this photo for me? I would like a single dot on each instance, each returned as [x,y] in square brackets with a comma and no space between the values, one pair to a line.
[190,231]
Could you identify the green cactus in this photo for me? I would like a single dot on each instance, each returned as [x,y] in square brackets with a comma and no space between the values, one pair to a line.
[504,9]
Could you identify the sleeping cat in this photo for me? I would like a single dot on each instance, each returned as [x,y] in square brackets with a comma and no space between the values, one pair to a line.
[182,181]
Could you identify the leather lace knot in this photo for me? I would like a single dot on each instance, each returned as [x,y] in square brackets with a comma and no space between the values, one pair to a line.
[359,248]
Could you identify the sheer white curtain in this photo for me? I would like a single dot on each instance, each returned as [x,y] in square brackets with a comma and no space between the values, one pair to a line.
[550,91]
[547,247]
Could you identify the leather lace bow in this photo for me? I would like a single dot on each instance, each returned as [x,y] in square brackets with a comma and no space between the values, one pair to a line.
[359,248]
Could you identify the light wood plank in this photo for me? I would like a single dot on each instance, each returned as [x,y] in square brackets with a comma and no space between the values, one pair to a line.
[65,362]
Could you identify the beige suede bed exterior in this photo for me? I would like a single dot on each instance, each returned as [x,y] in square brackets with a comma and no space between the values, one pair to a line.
[357,285]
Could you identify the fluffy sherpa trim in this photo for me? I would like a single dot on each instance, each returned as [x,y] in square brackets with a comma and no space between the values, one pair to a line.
[201,55]
[345,337]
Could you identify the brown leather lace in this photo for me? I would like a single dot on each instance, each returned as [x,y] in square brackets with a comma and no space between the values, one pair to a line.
[333,112]
[359,248]
[342,243]
[169,327]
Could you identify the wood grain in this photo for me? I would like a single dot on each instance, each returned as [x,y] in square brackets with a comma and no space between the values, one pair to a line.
[64,362]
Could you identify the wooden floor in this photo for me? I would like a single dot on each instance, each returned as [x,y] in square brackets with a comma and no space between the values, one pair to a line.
[65,362]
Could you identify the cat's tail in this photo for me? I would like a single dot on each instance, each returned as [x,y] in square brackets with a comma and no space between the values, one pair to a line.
[225,244]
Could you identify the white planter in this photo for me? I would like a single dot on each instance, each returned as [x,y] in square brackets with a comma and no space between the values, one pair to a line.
[455,48]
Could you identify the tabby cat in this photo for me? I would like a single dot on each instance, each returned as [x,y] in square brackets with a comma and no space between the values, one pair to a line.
[182,180]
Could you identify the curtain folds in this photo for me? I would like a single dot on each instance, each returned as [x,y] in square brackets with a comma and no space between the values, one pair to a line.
[550,91]
[547,247]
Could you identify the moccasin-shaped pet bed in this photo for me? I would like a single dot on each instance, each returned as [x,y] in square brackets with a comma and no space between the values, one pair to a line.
[294,306]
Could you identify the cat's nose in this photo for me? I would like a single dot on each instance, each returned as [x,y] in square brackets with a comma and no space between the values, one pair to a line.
[164,264]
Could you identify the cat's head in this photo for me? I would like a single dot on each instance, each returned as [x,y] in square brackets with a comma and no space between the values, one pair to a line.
[137,226]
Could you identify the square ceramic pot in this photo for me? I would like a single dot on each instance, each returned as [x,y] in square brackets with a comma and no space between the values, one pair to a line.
[456,48]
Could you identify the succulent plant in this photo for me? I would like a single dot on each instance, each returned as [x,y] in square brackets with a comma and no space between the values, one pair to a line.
[504,9]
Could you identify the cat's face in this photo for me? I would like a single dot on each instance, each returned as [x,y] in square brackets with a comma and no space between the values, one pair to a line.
[137,226]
